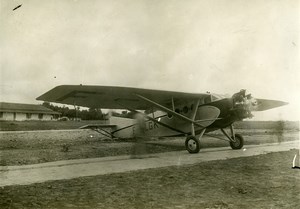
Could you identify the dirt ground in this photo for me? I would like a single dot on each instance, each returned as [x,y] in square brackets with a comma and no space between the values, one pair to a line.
[264,181]
[33,125]
[20,148]
[63,125]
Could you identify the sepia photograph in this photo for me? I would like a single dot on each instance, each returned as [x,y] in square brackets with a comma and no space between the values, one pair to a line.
[137,104]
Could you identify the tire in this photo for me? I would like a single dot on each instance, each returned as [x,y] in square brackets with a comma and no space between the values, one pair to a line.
[192,144]
[239,142]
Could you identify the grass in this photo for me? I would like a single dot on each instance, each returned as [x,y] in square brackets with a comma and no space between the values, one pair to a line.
[43,125]
[61,125]
[264,181]
[19,148]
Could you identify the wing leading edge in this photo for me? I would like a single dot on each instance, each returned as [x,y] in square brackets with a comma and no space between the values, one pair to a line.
[113,97]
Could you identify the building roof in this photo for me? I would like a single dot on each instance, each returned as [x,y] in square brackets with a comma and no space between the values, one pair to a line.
[25,108]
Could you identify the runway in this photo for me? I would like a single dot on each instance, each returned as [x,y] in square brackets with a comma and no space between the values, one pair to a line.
[59,170]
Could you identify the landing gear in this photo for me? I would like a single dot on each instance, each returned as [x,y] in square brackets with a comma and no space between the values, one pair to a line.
[192,144]
[237,142]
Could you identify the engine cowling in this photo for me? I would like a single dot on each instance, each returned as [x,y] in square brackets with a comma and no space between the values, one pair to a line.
[243,104]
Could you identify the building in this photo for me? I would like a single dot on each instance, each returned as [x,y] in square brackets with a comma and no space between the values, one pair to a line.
[21,112]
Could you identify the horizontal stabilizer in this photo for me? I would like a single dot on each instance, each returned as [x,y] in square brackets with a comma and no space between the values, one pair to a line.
[96,126]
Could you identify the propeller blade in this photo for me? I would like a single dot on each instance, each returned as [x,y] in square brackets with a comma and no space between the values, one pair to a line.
[266,104]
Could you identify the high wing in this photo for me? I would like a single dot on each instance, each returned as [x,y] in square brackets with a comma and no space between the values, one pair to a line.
[113,97]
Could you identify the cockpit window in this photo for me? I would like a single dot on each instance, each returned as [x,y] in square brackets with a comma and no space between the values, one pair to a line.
[215,97]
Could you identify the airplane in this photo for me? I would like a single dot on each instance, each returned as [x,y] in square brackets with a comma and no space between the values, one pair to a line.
[166,113]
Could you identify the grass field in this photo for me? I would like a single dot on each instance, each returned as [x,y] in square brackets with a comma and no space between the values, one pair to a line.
[264,181]
[19,148]
[44,125]
[63,125]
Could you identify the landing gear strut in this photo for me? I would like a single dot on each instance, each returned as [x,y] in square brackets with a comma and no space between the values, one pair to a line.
[236,141]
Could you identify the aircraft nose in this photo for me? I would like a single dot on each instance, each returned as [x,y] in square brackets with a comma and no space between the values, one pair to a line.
[245,104]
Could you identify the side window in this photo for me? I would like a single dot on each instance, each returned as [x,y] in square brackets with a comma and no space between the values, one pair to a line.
[192,107]
[185,109]
[41,116]
[28,115]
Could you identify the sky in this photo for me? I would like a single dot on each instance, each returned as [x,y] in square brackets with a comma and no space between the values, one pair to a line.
[220,46]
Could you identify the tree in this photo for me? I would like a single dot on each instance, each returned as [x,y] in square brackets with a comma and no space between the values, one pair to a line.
[95,114]
[91,114]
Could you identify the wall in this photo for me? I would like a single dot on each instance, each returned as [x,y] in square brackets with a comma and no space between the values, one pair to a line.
[7,116]
[48,117]
[22,116]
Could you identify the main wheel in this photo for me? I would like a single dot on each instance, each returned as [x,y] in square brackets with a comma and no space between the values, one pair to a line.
[238,143]
[192,144]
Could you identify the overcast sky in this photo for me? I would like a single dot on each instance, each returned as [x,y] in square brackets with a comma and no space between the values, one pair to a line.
[220,46]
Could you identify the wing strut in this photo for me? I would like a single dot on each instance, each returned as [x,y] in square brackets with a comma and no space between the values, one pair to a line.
[173,105]
[175,114]
[100,129]
[194,116]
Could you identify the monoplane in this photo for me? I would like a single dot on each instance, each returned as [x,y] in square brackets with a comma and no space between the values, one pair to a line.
[167,113]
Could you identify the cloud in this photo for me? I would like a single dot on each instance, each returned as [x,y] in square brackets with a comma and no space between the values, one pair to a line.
[195,46]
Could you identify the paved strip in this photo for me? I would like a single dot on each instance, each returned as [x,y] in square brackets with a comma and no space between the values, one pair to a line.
[36,173]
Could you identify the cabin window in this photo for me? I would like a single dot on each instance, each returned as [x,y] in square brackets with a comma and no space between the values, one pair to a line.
[208,99]
[1,114]
[41,116]
[28,115]
[185,109]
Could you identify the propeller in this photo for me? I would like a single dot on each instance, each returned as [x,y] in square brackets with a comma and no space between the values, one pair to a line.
[244,104]
[266,104]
